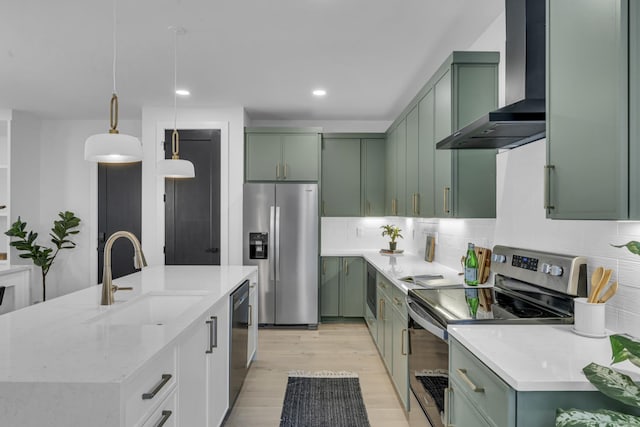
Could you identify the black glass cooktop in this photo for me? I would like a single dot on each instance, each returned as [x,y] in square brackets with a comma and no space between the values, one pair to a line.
[496,305]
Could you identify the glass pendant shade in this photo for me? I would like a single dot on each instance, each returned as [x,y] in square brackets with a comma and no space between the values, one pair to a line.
[112,148]
[175,168]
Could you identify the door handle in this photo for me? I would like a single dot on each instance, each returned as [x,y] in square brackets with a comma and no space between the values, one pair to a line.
[272,238]
[213,333]
[151,394]
[547,191]
[346,267]
[445,206]
[277,230]
[277,170]
[402,350]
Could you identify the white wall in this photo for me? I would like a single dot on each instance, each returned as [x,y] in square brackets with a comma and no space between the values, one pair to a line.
[50,175]
[231,121]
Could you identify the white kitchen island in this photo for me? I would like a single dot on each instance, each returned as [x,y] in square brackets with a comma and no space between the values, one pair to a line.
[71,361]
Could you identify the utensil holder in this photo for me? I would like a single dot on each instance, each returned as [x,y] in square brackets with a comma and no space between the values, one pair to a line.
[589,318]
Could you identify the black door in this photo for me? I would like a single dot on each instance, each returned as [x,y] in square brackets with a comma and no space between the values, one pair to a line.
[119,208]
[192,205]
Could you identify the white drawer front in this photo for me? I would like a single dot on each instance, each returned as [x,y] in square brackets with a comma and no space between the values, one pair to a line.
[165,415]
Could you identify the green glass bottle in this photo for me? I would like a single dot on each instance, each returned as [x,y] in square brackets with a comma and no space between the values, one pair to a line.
[471,266]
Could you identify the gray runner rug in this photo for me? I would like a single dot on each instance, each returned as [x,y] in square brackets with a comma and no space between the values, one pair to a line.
[321,399]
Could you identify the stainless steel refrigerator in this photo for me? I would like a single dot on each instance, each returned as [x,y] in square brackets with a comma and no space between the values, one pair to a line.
[280,236]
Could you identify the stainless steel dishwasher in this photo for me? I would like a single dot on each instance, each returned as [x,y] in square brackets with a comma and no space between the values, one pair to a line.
[239,340]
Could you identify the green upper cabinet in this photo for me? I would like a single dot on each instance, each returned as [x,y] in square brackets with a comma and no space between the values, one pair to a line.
[426,156]
[412,164]
[353,175]
[373,176]
[390,204]
[341,177]
[442,129]
[445,183]
[276,154]
[592,148]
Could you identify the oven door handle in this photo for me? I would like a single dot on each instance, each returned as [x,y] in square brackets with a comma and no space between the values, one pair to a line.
[426,321]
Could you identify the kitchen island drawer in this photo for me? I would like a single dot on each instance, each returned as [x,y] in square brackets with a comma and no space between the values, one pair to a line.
[165,415]
[149,387]
[491,396]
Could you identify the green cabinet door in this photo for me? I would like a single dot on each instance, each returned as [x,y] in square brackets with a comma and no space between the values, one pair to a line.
[373,171]
[634,110]
[387,314]
[352,287]
[442,129]
[341,177]
[300,157]
[263,158]
[390,184]
[400,372]
[330,287]
[461,410]
[426,155]
[587,116]
[401,165]
[412,163]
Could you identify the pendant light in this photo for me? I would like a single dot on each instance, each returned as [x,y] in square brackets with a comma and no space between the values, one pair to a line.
[175,167]
[113,147]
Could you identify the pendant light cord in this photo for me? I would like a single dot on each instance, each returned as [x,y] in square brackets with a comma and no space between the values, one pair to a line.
[175,138]
[115,50]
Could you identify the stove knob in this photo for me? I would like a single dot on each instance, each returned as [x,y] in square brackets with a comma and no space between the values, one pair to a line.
[499,258]
[556,270]
[545,268]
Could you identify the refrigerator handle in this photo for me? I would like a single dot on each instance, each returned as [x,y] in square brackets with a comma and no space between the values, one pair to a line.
[272,238]
[277,226]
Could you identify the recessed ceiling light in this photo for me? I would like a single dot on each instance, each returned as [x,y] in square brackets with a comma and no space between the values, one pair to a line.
[319,92]
[182,92]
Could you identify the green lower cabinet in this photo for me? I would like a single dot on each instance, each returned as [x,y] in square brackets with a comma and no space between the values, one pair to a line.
[479,397]
[342,287]
[330,287]
[372,324]
[400,370]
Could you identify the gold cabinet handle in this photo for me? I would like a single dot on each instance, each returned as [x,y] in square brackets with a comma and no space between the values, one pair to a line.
[277,170]
[346,267]
[382,309]
[547,182]
[462,373]
[445,206]
[402,351]
[396,300]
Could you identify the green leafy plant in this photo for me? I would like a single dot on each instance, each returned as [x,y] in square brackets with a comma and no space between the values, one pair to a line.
[392,231]
[43,256]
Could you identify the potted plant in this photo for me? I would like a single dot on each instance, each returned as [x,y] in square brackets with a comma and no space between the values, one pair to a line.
[393,232]
[43,256]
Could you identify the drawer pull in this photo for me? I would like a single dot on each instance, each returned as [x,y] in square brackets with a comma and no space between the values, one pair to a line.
[150,395]
[462,373]
[402,350]
[165,416]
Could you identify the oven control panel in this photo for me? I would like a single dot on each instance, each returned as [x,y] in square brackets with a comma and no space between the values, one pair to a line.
[525,262]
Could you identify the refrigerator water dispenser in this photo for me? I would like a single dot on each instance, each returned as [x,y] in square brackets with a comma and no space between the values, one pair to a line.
[258,245]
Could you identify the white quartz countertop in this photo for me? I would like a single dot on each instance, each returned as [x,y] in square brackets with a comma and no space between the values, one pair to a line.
[538,357]
[59,341]
[395,267]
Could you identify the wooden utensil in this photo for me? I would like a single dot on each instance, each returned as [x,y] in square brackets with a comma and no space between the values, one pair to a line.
[596,277]
[609,293]
[603,282]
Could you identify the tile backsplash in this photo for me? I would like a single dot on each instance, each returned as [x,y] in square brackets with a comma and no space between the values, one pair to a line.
[520,221]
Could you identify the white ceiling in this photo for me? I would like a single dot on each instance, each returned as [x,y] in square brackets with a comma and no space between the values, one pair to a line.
[266,55]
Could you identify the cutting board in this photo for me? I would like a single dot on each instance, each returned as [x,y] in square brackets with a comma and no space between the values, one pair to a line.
[430,250]
[484,263]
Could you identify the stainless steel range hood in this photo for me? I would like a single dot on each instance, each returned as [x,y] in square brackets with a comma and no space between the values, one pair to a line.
[523,119]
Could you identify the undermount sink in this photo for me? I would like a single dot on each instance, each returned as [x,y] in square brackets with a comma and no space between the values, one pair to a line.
[149,309]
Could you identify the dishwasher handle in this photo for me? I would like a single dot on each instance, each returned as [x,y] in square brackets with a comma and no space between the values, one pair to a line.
[426,321]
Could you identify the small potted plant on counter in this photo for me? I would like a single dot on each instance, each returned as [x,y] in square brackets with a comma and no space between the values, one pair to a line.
[393,232]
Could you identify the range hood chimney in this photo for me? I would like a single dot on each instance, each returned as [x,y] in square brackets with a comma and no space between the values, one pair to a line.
[523,119]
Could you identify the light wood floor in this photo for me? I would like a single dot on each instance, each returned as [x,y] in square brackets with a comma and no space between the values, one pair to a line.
[333,347]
